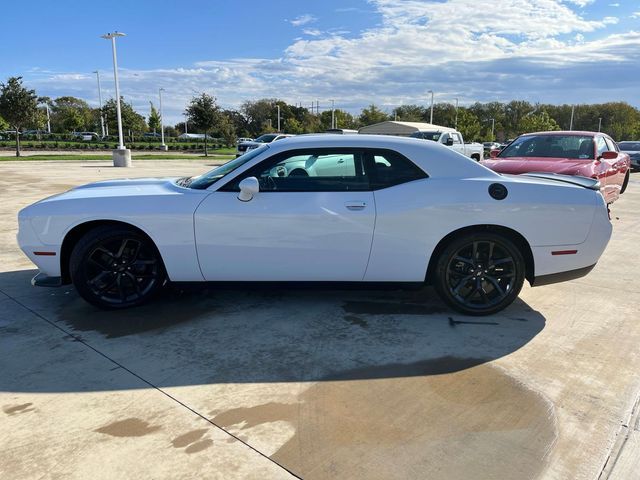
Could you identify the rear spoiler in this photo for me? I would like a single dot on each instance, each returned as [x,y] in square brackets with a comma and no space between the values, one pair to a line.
[586,182]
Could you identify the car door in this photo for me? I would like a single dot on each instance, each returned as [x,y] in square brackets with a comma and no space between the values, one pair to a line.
[619,164]
[301,227]
[606,170]
[458,146]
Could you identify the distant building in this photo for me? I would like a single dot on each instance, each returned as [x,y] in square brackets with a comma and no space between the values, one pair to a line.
[402,129]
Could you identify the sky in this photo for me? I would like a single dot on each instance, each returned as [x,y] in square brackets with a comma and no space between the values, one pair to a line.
[355,52]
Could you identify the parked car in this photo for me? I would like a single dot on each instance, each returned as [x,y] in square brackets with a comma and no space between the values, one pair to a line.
[588,154]
[152,135]
[452,138]
[633,150]
[8,134]
[342,131]
[87,136]
[243,139]
[262,139]
[488,146]
[438,216]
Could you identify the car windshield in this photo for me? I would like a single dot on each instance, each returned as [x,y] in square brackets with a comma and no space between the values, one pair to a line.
[629,146]
[266,138]
[579,147]
[434,136]
[203,181]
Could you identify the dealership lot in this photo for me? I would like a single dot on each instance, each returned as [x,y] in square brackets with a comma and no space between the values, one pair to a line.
[278,381]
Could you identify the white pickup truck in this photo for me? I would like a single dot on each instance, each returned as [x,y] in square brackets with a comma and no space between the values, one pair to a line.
[452,138]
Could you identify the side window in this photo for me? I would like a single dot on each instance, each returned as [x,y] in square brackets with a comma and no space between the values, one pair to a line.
[611,145]
[322,170]
[456,138]
[389,168]
[601,145]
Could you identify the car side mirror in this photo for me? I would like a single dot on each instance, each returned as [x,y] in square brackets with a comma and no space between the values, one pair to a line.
[248,188]
[609,155]
[494,153]
[449,142]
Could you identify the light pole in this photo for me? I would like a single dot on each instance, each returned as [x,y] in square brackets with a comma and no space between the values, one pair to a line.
[100,102]
[456,122]
[493,126]
[278,118]
[46,106]
[121,156]
[333,114]
[431,117]
[163,146]
[185,124]
[573,109]
[599,124]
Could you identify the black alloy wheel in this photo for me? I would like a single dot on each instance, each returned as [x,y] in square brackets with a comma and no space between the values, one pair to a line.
[116,268]
[480,274]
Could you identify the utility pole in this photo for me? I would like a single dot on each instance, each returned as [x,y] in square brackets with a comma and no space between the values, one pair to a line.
[100,102]
[185,124]
[599,124]
[493,126]
[431,117]
[573,109]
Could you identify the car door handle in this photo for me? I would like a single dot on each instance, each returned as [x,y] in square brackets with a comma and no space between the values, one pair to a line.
[340,161]
[355,205]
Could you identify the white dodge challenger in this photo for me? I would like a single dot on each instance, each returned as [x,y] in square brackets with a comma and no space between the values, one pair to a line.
[323,208]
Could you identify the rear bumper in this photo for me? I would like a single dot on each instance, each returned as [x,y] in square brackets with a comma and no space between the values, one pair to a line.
[43,280]
[561,276]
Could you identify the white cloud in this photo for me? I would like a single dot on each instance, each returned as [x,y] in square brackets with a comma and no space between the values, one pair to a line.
[541,50]
[635,14]
[302,20]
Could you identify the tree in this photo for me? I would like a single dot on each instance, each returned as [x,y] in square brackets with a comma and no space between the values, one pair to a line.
[409,113]
[3,124]
[18,106]
[540,122]
[204,114]
[131,120]
[468,125]
[371,115]
[154,119]
[227,130]
[71,114]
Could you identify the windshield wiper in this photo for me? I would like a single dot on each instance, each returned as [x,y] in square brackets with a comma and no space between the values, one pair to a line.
[184,181]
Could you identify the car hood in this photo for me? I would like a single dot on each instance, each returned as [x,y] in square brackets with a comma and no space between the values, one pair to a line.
[121,188]
[517,165]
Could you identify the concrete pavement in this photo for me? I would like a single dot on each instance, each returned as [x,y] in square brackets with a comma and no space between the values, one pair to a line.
[273,382]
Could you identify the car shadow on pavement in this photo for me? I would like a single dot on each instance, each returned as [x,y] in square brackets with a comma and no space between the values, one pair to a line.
[215,334]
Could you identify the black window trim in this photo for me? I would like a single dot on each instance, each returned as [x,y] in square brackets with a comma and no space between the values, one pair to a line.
[367,153]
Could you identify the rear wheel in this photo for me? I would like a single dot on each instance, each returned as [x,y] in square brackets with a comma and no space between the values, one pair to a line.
[116,267]
[625,183]
[480,273]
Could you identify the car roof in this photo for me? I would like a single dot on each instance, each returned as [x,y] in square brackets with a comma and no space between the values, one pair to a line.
[577,133]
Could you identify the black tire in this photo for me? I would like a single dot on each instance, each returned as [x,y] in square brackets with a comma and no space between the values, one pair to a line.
[625,183]
[114,267]
[479,273]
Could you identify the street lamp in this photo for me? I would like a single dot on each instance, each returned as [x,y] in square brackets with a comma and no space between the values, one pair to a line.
[121,156]
[431,117]
[100,102]
[163,146]
[46,106]
[493,126]
[599,124]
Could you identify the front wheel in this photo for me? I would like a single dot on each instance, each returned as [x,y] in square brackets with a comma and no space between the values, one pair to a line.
[480,273]
[116,267]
